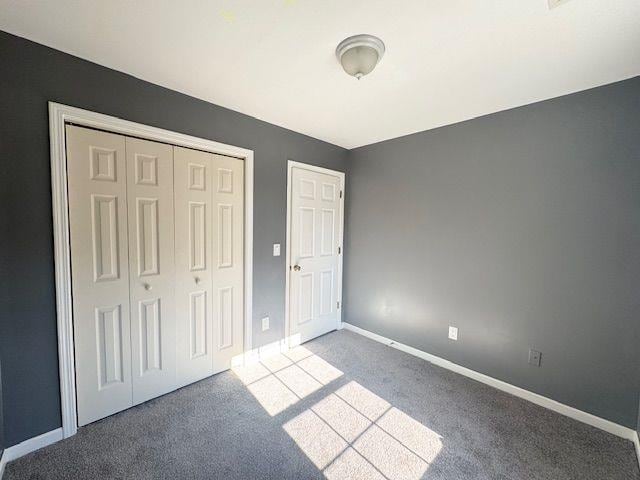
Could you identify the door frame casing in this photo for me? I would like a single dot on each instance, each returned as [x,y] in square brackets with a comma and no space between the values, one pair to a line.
[59,116]
[341,175]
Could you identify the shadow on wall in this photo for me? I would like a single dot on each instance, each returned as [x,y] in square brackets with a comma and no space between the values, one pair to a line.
[351,432]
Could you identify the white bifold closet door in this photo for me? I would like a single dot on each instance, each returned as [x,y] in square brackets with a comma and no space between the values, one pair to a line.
[194,270]
[151,268]
[209,262]
[157,267]
[97,183]
[228,260]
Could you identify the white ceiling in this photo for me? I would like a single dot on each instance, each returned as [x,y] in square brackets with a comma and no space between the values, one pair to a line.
[446,60]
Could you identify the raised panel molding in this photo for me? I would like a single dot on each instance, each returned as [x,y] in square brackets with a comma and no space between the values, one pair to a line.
[307,232]
[150,336]
[225,317]
[198,323]
[328,192]
[147,231]
[146,167]
[225,180]
[109,330]
[328,223]
[197,176]
[104,212]
[225,236]
[326,292]
[197,236]
[103,164]
[305,305]
[307,189]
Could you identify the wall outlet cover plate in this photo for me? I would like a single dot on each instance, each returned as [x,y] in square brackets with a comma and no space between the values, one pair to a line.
[265,323]
[453,333]
[535,358]
[276,249]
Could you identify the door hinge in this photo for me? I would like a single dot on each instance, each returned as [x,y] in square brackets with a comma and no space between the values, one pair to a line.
[338,304]
[340,193]
[339,250]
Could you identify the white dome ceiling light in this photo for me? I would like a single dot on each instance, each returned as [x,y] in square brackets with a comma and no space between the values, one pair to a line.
[360,54]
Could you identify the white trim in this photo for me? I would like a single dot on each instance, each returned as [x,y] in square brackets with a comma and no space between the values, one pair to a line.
[59,115]
[341,176]
[31,445]
[571,412]
[636,443]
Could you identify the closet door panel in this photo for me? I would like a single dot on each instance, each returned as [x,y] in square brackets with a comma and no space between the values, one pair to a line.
[193,189]
[151,267]
[228,261]
[96,168]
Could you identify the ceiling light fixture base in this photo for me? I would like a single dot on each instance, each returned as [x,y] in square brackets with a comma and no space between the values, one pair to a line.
[359,54]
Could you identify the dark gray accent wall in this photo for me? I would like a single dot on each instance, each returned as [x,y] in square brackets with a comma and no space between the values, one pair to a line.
[30,76]
[521,228]
[1,416]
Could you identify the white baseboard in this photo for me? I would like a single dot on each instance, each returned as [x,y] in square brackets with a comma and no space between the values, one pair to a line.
[28,446]
[584,417]
[636,442]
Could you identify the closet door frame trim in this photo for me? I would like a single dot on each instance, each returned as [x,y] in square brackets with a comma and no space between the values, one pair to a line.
[59,116]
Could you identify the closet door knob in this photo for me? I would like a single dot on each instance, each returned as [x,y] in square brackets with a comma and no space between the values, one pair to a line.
[197,280]
[147,287]
[296,268]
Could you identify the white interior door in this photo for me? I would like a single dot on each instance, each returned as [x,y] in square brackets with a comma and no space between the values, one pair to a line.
[228,260]
[151,267]
[97,182]
[315,231]
[193,188]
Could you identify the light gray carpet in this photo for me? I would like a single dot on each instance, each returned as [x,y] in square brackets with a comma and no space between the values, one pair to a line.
[341,407]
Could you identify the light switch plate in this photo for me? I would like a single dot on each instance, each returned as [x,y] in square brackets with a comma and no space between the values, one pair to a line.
[276,249]
[265,323]
[453,333]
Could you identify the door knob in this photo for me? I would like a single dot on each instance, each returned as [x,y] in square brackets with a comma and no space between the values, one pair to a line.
[147,287]
[297,268]
[197,280]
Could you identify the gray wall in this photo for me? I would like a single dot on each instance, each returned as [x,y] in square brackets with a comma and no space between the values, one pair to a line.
[1,416]
[521,228]
[32,75]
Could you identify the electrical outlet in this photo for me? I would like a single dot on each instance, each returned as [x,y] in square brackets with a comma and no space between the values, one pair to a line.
[276,249]
[453,333]
[535,358]
[265,323]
